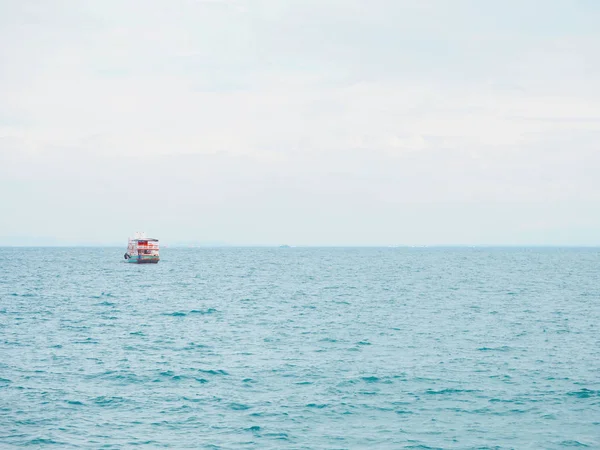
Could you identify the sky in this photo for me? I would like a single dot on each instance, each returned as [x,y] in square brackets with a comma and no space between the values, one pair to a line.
[301,122]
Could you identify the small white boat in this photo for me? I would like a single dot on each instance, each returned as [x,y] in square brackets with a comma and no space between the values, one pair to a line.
[142,250]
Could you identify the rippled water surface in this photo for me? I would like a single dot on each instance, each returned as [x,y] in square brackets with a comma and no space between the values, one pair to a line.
[300,348]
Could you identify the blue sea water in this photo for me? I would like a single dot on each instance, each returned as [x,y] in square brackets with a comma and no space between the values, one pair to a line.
[301,348]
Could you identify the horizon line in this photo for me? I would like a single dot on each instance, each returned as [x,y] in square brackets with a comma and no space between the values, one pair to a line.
[166,246]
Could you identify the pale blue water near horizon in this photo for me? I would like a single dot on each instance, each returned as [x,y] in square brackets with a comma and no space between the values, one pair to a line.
[304,348]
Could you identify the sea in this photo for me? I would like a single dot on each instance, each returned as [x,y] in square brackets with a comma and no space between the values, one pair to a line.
[300,348]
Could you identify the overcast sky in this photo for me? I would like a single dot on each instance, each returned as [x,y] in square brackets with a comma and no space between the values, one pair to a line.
[305,122]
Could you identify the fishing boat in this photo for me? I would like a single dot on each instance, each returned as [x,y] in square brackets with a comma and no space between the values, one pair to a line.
[142,250]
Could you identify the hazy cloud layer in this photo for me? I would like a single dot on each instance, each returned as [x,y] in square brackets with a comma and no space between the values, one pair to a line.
[304,122]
